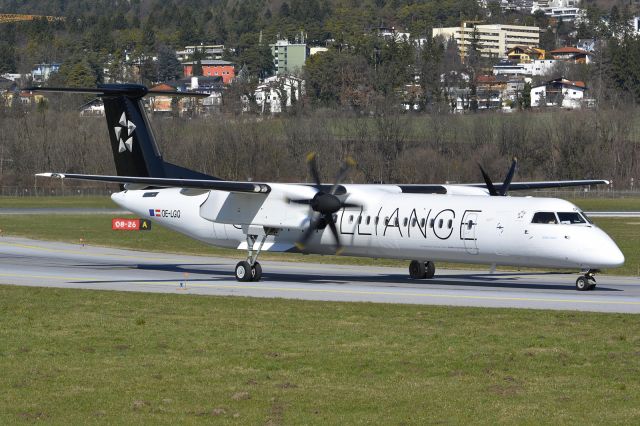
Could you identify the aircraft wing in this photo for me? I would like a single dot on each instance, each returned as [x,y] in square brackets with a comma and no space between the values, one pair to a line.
[515,186]
[221,185]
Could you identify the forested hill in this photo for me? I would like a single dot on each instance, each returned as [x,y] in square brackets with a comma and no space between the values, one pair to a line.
[225,21]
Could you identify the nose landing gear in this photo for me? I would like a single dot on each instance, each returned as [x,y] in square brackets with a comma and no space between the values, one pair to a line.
[587,281]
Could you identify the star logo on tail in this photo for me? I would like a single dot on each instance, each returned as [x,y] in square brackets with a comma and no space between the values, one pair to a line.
[125,130]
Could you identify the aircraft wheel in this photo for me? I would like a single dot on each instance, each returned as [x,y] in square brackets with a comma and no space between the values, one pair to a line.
[243,271]
[417,270]
[256,272]
[582,284]
[430,269]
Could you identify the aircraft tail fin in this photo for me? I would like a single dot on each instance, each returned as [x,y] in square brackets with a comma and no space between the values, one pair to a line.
[133,144]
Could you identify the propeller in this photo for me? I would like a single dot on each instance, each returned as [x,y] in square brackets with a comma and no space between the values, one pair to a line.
[324,204]
[504,189]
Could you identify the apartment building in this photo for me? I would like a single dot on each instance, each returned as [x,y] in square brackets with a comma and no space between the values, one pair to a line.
[493,39]
[288,57]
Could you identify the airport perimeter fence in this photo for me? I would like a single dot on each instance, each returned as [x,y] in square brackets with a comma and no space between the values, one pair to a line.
[108,189]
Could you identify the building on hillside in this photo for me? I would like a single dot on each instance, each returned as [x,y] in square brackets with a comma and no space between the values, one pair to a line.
[163,105]
[393,34]
[288,57]
[93,108]
[559,92]
[493,40]
[525,54]
[212,68]
[587,44]
[208,51]
[270,94]
[536,67]
[42,72]
[317,49]
[635,25]
[489,91]
[571,54]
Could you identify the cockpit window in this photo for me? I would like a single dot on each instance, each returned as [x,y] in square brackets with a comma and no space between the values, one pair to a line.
[570,218]
[544,217]
[586,217]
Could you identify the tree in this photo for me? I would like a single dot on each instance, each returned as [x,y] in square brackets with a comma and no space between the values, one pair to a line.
[169,68]
[524,100]
[7,58]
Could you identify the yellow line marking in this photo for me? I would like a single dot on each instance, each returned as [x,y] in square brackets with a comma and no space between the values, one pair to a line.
[189,284]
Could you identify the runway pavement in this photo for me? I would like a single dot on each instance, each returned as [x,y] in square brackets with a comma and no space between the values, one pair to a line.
[38,263]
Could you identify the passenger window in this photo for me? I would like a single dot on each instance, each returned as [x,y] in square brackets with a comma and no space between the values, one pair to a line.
[450,224]
[351,219]
[570,218]
[359,220]
[431,222]
[440,222]
[377,220]
[422,222]
[386,221]
[405,221]
[397,222]
[368,219]
[470,224]
[414,222]
[544,217]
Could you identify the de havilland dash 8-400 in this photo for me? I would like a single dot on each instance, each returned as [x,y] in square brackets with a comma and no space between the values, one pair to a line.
[473,223]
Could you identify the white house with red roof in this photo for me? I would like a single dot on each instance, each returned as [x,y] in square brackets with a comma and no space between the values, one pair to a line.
[559,92]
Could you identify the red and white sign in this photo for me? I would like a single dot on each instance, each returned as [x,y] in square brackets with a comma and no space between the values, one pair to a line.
[119,224]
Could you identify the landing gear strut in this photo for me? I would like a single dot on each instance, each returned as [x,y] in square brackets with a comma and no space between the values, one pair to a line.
[419,270]
[250,269]
[587,281]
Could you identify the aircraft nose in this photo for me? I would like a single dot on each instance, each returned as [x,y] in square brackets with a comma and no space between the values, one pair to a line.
[610,254]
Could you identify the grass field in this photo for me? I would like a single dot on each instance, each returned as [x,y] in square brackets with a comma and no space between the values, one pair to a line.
[96,230]
[78,357]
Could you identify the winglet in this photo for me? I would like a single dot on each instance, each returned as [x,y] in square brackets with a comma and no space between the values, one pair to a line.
[51,175]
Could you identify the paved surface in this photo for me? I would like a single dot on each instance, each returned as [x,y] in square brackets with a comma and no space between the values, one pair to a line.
[37,263]
[61,210]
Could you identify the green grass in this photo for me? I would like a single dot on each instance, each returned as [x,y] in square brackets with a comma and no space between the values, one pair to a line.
[96,230]
[79,356]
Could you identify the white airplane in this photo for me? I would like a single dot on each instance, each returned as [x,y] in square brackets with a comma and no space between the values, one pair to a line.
[474,223]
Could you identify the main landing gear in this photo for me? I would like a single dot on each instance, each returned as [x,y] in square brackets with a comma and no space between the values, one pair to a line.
[250,269]
[587,281]
[419,270]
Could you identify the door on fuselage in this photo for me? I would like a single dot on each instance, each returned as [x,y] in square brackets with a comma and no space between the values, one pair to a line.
[468,231]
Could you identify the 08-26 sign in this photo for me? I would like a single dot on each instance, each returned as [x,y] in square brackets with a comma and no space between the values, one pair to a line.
[119,224]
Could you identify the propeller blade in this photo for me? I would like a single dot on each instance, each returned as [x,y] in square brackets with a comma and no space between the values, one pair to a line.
[487,181]
[507,180]
[334,231]
[351,205]
[313,167]
[305,201]
[342,173]
[313,225]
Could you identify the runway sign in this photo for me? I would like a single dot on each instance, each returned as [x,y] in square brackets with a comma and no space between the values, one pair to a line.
[119,224]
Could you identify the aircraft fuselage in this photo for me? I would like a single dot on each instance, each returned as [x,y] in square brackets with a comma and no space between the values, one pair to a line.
[453,228]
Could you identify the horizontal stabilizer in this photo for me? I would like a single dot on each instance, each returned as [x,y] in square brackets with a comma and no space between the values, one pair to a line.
[141,182]
[134,91]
